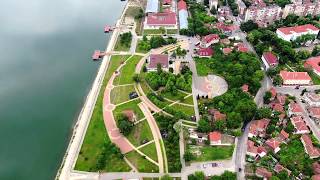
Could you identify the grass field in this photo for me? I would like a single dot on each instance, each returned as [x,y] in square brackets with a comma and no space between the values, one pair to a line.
[121,94]
[202,67]
[140,132]
[152,31]
[121,47]
[96,134]
[188,100]
[142,164]
[174,97]
[172,31]
[211,153]
[132,105]
[186,109]
[127,71]
[151,151]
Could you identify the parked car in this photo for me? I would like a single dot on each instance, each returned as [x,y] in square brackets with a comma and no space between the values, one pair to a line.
[133,95]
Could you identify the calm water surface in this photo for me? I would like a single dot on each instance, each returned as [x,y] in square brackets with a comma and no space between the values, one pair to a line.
[45,74]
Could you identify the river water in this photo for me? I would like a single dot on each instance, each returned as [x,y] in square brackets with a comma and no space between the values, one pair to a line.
[45,75]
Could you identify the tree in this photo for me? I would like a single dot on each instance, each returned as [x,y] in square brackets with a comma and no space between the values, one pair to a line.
[124,125]
[125,39]
[198,175]
[282,3]
[316,51]
[188,156]
[204,126]
[283,175]
[267,96]
[219,125]
[274,178]
[166,177]
[234,120]
[136,78]
[248,26]
[163,30]
[277,80]
[159,68]
[289,128]
[227,175]
[263,113]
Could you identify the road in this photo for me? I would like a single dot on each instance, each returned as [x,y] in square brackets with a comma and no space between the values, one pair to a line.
[296,92]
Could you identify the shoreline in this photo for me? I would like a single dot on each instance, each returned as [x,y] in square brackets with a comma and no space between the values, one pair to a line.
[79,130]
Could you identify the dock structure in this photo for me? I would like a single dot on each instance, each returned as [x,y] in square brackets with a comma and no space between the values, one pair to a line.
[97,55]
[108,29]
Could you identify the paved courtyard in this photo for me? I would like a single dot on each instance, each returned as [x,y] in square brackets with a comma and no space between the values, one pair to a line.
[211,86]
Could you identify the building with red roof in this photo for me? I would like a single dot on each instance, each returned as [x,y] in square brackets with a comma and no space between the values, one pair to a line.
[269,59]
[312,99]
[258,128]
[316,167]
[217,115]
[273,144]
[283,136]
[314,112]
[273,92]
[299,125]
[155,59]
[281,99]
[295,78]
[316,177]
[314,64]
[292,33]
[255,151]
[166,20]
[245,88]
[226,51]
[312,151]
[294,109]
[207,40]
[263,172]
[205,52]
[215,138]
[241,48]
[182,5]
[277,107]
[183,14]
[278,168]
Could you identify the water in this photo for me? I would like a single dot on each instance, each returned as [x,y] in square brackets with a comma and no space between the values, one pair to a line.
[45,75]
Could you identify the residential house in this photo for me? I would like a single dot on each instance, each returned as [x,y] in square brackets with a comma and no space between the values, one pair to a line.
[312,99]
[255,151]
[314,112]
[299,125]
[294,109]
[278,168]
[217,115]
[207,40]
[312,151]
[155,59]
[258,128]
[199,137]
[273,93]
[215,138]
[269,59]
[205,52]
[245,88]
[314,64]
[273,144]
[292,33]
[316,167]
[283,136]
[316,177]
[277,107]
[281,99]
[263,173]
[295,78]
[226,51]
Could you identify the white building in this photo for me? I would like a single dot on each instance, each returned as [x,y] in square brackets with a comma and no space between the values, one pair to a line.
[183,14]
[295,78]
[292,33]
[152,6]
[269,60]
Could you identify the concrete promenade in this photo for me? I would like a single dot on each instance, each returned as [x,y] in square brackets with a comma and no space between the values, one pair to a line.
[81,126]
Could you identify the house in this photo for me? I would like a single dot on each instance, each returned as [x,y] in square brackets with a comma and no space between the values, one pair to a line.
[299,125]
[316,167]
[258,128]
[292,33]
[273,144]
[314,64]
[269,59]
[167,20]
[226,51]
[183,14]
[241,48]
[303,8]
[281,99]
[130,115]
[152,6]
[278,168]
[226,29]
[199,137]
[312,151]
[312,99]
[316,177]
[217,115]
[314,112]
[166,2]
[205,52]
[155,59]
[252,150]
[294,109]
[283,136]
[225,41]
[295,78]
[273,93]
[215,138]
[245,88]
[277,107]
[263,172]
[207,40]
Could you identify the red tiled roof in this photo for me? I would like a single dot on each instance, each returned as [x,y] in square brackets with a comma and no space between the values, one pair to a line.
[285,75]
[226,50]
[208,52]
[299,123]
[311,150]
[281,99]
[167,1]
[258,126]
[217,115]
[251,147]
[245,88]
[156,59]
[295,107]
[284,134]
[242,48]
[270,58]
[273,92]
[298,29]
[316,177]
[278,168]
[277,107]
[273,143]
[215,136]
[262,149]
[316,168]
[210,37]
[182,5]
[162,18]
[315,111]
[263,172]
[313,62]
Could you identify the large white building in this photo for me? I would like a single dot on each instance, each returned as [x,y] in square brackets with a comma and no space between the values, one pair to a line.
[183,14]
[167,20]
[263,15]
[295,78]
[292,33]
[301,9]
[152,6]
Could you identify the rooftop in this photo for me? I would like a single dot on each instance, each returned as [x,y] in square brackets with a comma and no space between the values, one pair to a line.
[215,136]
[273,143]
[270,57]
[182,5]
[208,52]
[299,123]
[313,62]
[310,149]
[298,29]
[162,18]
[295,107]
[156,59]
[285,75]
[210,37]
[152,6]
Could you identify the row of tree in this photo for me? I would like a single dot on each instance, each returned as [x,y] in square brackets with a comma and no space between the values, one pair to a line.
[155,42]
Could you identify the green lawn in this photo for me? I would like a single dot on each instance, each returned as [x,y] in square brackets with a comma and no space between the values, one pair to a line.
[172,31]
[96,134]
[152,31]
[202,67]
[121,94]
[127,71]
[132,105]
[142,164]
[188,100]
[121,47]
[174,97]
[186,109]
[151,151]
[315,78]
[140,132]
[211,153]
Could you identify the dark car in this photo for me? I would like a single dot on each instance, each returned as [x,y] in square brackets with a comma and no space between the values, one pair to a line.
[133,95]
